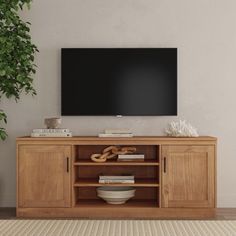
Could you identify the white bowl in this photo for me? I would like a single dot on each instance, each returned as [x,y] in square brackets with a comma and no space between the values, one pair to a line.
[52,123]
[115,195]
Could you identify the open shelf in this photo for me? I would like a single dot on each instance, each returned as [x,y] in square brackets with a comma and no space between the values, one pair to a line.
[86,196]
[139,172]
[117,163]
[86,174]
[83,152]
[131,203]
[94,183]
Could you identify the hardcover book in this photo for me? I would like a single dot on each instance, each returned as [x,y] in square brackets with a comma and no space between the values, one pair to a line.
[51,130]
[37,135]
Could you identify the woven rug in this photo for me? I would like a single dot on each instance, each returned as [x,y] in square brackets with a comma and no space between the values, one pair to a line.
[116,228]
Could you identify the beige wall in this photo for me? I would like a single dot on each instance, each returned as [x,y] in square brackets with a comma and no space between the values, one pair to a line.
[203,30]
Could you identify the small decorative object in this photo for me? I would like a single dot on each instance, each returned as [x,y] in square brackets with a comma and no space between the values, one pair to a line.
[115,195]
[111,152]
[52,123]
[181,129]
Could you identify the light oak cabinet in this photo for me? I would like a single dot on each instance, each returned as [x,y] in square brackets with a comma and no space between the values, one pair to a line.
[188,176]
[56,177]
[44,176]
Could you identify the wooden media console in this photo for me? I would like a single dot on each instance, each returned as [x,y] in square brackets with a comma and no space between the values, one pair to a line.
[56,178]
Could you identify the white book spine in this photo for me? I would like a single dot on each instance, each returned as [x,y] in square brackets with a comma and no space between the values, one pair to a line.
[131,160]
[51,130]
[116,181]
[38,135]
[131,156]
[116,177]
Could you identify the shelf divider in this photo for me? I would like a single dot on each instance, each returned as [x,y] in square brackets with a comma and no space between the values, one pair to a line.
[117,163]
[138,183]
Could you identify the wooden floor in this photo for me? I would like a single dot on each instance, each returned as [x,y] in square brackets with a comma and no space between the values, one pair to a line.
[221,213]
[7,212]
[226,213]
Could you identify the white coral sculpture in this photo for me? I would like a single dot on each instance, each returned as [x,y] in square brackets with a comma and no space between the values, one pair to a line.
[181,129]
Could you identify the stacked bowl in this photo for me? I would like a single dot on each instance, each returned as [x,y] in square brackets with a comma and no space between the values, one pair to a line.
[115,195]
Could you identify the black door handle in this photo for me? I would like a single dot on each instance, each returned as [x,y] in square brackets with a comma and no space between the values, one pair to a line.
[67,164]
[164,164]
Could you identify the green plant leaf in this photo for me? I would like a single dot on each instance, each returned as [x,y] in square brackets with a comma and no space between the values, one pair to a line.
[3,134]
[16,54]
[2,72]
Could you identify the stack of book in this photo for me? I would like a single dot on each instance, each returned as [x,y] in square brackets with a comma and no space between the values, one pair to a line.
[130,157]
[109,133]
[51,133]
[117,179]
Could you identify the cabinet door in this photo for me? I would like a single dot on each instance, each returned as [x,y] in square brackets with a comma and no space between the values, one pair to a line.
[188,176]
[44,176]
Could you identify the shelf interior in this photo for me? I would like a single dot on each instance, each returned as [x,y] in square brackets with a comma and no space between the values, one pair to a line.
[87,172]
[83,152]
[143,197]
[140,172]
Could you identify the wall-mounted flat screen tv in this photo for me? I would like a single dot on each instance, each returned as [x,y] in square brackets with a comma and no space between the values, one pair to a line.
[118,81]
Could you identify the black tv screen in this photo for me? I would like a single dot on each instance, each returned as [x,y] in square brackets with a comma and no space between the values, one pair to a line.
[119,81]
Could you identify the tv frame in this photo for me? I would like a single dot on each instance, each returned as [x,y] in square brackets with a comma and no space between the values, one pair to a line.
[121,115]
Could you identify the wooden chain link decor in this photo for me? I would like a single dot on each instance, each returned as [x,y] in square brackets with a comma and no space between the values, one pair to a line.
[111,152]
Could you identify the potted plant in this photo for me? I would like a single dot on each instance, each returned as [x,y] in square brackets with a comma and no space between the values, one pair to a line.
[16,55]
